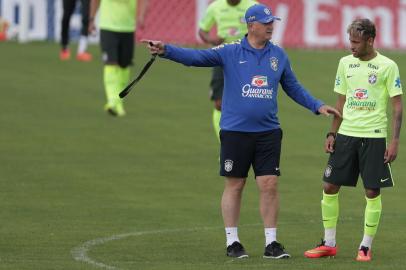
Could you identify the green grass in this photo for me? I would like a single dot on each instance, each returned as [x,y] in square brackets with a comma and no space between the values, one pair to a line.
[69,173]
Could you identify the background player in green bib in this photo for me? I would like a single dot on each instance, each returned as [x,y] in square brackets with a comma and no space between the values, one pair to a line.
[365,81]
[117,22]
[228,17]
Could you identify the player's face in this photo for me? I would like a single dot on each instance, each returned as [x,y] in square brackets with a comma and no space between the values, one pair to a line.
[263,31]
[360,47]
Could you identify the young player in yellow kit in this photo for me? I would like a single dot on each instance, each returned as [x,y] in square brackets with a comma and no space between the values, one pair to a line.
[365,81]
[117,24]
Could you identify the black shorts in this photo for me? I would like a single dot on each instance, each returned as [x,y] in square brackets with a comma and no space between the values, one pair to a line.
[117,48]
[358,156]
[216,83]
[240,150]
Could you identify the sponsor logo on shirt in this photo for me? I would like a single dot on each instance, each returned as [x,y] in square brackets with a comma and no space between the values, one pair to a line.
[361,93]
[259,81]
[274,63]
[233,31]
[257,88]
[354,65]
[360,104]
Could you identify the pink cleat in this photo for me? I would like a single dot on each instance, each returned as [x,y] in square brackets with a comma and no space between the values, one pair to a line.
[84,57]
[364,254]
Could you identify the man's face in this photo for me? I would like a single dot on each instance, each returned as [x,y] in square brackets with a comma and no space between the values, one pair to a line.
[359,46]
[262,31]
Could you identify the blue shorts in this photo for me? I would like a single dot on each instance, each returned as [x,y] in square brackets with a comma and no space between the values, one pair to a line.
[240,150]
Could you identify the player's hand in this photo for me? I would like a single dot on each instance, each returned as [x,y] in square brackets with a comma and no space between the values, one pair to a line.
[329,144]
[328,110]
[91,27]
[391,151]
[154,46]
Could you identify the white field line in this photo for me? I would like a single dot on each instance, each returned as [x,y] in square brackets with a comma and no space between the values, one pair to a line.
[79,253]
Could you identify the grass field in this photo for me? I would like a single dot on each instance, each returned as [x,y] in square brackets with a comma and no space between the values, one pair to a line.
[82,190]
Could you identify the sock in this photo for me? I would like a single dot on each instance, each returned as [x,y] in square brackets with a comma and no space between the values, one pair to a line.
[82,44]
[330,237]
[124,74]
[112,85]
[373,211]
[124,77]
[366,241]
[270,235]
[231,235]
[329,210]
[216,122]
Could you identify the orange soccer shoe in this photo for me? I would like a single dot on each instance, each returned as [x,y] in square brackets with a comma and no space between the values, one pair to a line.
[84,57]
[64,54]
[321,251]
[364,254]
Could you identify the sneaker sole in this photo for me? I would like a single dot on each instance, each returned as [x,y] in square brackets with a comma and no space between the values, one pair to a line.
[283,256]
[362,260]
[327,256]
[240,257]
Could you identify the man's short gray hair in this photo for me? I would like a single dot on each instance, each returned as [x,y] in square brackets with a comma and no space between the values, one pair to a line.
[364,28]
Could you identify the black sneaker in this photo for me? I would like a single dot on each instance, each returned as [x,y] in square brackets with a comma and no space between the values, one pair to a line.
[236,250]
[275,251]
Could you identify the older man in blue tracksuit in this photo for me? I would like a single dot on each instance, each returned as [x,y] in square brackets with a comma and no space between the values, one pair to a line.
[250,130]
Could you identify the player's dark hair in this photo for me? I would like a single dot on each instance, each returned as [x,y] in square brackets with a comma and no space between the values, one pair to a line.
[365,28]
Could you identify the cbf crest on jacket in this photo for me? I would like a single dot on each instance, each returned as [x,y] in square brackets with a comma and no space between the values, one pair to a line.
[251,80]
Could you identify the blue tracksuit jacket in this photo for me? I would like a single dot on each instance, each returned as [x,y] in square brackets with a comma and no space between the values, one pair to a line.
[251,79]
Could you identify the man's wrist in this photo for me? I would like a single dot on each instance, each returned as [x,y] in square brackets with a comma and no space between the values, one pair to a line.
[395,140]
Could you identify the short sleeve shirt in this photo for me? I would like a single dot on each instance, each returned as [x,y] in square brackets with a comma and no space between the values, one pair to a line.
[229,19]
[367,85]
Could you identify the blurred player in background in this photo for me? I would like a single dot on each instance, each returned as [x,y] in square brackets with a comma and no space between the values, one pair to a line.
[228,17]
[250,131]
[365,81]
[117,23]
[68,9]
